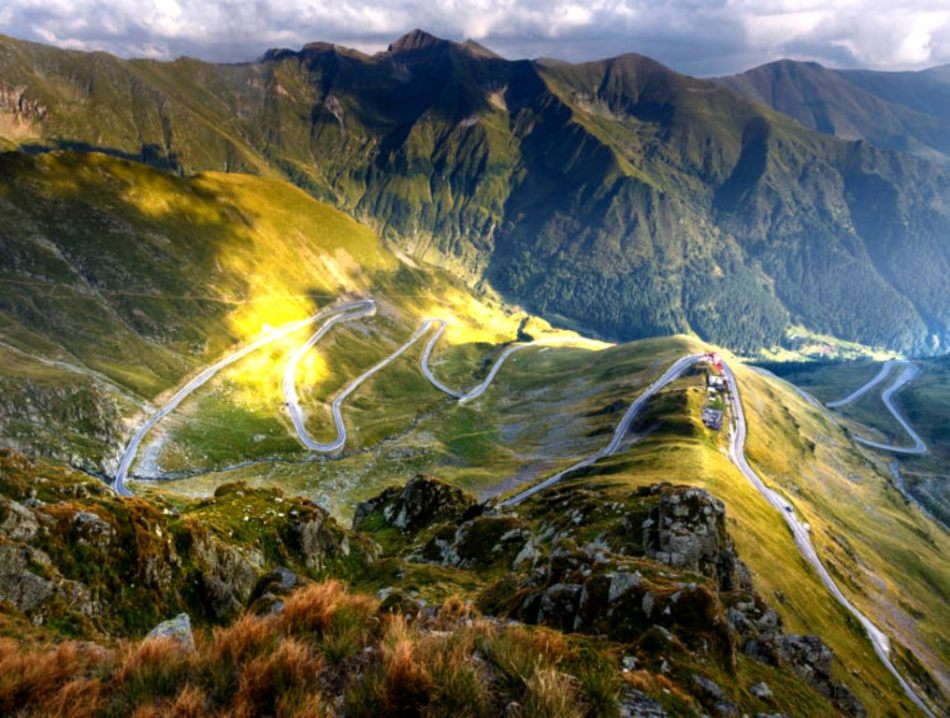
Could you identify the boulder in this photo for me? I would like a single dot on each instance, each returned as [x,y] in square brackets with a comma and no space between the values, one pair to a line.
[811,659]
[177,629]
[91,529]
[29,581]
[634,704]
[222,563]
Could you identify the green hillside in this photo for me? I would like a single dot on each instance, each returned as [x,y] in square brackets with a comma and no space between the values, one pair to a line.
[121,280]
[125,280]
[923,401]
[617,196]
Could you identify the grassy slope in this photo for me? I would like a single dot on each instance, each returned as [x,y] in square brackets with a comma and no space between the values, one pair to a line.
[888,557]
[142,277]
[565,185]
[237,250]
[892,542]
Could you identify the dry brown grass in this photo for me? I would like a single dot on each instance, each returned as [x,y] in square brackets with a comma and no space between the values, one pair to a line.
[551,694]
[407,683]
[325,644]
[191,702]
[247,637]
[310,609]
[282,683]
[36,678]
[77,699]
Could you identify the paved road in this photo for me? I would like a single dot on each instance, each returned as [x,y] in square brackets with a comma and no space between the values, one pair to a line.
[910,371]
[362,308]
[862,390]
[675,371]
[879,640]
[297,414]
[131,449]
[479,389]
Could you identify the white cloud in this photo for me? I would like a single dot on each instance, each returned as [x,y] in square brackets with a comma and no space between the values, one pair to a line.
[698,36]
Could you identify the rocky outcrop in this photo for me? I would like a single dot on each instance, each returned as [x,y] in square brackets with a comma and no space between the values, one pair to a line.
[686,529]
[99,563]
[30,582]
[421,502]
[811,659]
[479,543]
[17,522]
[316,536]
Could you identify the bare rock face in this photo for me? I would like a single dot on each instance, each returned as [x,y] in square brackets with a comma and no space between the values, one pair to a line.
[811,659]
[17,522]
[30,583]
[227,575]
[91,529]
[479,543]
[420,503]
[687,530]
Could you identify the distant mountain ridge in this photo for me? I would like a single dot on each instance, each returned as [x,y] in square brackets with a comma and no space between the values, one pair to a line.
[614,195]
[905,111]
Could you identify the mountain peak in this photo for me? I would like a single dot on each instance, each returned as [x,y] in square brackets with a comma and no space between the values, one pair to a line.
[416,40]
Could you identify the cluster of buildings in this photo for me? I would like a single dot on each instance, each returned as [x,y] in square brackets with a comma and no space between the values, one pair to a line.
[715,387]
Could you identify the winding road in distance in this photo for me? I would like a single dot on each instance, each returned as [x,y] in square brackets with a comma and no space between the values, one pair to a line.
[910,371]
[356,309]
[345,312]
[800,531]
[363,308]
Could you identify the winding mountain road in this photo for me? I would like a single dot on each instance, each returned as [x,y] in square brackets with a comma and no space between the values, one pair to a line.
[362,308]
[887,396]
[345,312]
[865,388]
[800,531]
[878,638]
[623,426]
[131,449]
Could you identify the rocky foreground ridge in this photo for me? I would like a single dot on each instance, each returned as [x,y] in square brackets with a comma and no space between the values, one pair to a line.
[569,605]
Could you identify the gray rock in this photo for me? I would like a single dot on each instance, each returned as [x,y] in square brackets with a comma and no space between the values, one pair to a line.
[92,529]
[560,605]
[17,522]
[708,690]
[177,629]
[687,530]
[634,704]
[762,691]
[620,583]
[28,581]
[227,564]
[420,503]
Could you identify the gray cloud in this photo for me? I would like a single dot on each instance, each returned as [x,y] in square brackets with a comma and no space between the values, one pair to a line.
[697,36]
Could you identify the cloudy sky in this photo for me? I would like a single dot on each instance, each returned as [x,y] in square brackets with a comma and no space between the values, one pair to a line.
[701,37]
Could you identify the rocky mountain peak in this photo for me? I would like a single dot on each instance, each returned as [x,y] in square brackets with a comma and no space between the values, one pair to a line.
[414,41]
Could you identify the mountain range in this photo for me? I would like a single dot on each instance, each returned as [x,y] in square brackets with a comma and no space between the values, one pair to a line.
[618,195]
